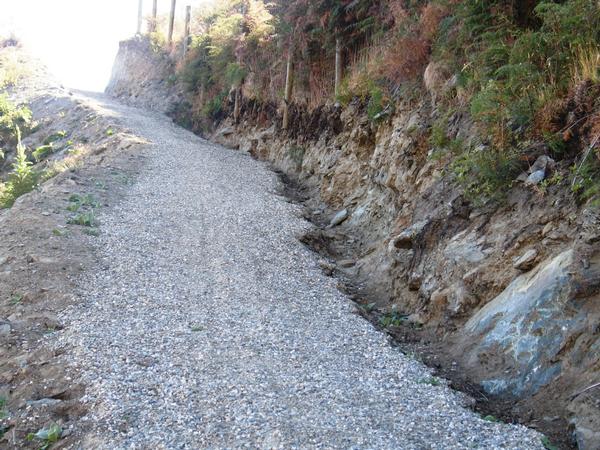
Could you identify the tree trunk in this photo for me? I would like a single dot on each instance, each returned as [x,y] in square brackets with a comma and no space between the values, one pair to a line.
[186,36]
[289,84]
[152,24]
[140,15]
[338,66]
[171,22]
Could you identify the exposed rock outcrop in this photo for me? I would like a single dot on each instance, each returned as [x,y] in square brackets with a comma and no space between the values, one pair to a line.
[423,247]
[144,77]
[529,324]
[511,291]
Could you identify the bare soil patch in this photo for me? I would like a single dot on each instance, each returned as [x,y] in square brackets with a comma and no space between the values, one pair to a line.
[44,245]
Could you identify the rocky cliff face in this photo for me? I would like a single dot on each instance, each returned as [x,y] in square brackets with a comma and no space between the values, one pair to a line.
[508,293]
[153,85]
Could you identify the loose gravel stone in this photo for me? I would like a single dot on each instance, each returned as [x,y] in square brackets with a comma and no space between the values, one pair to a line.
[339,218]
[209,325]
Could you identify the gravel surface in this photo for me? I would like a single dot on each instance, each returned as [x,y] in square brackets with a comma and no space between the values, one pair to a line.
[209,325]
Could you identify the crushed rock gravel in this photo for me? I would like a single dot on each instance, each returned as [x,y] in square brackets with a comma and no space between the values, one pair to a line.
[207,324]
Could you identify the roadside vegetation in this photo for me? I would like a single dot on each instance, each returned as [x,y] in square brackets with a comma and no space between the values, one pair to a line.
[44,133]
[15,120]
[526,73]
[23,169]
[22,178]
[12,67]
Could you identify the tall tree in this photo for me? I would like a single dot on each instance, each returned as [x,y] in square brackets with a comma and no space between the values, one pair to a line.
[171,22]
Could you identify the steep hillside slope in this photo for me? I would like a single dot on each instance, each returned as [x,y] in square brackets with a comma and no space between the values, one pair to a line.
[505,292]
[79,160]
[509,292]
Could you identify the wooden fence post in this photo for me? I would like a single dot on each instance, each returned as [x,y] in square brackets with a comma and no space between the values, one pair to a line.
[236,105]
[171,22]
[140,15]
[338,66]
[186,36]
[201,99]
[289,83]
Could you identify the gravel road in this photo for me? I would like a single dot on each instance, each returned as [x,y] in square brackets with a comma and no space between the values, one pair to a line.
[207,324]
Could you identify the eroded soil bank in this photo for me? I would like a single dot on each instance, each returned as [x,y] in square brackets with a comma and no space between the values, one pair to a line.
[424,262]
[503,294]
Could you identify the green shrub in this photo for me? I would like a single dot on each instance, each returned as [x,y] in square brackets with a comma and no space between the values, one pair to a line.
[368,91]
[196,71]
[585,180]
[84,200]
[345,95]
[84,206]
[393,318]
[235,74]
[55,137]
[3,412]
[87,219]
[21,180]
[485,174]
[158,41]
[438,138]
[42,152]
[214,107]
[556,143]
[513,71]
[490,107]
[514,65]
[46,436]
[376,103]
[12,116]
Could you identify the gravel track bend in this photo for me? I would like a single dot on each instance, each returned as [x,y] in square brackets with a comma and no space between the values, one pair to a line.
[209,325]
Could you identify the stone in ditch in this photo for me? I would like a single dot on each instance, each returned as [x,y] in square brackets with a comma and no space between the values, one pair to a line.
[536,177]
[416,319]
[407,238]
[339,218]
[543,163]
[346,263]
[44,402]
[527,260]
[547,229]
[327,267]
[5,328]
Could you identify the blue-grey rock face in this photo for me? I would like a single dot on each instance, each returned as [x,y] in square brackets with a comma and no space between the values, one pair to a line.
[528,324]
